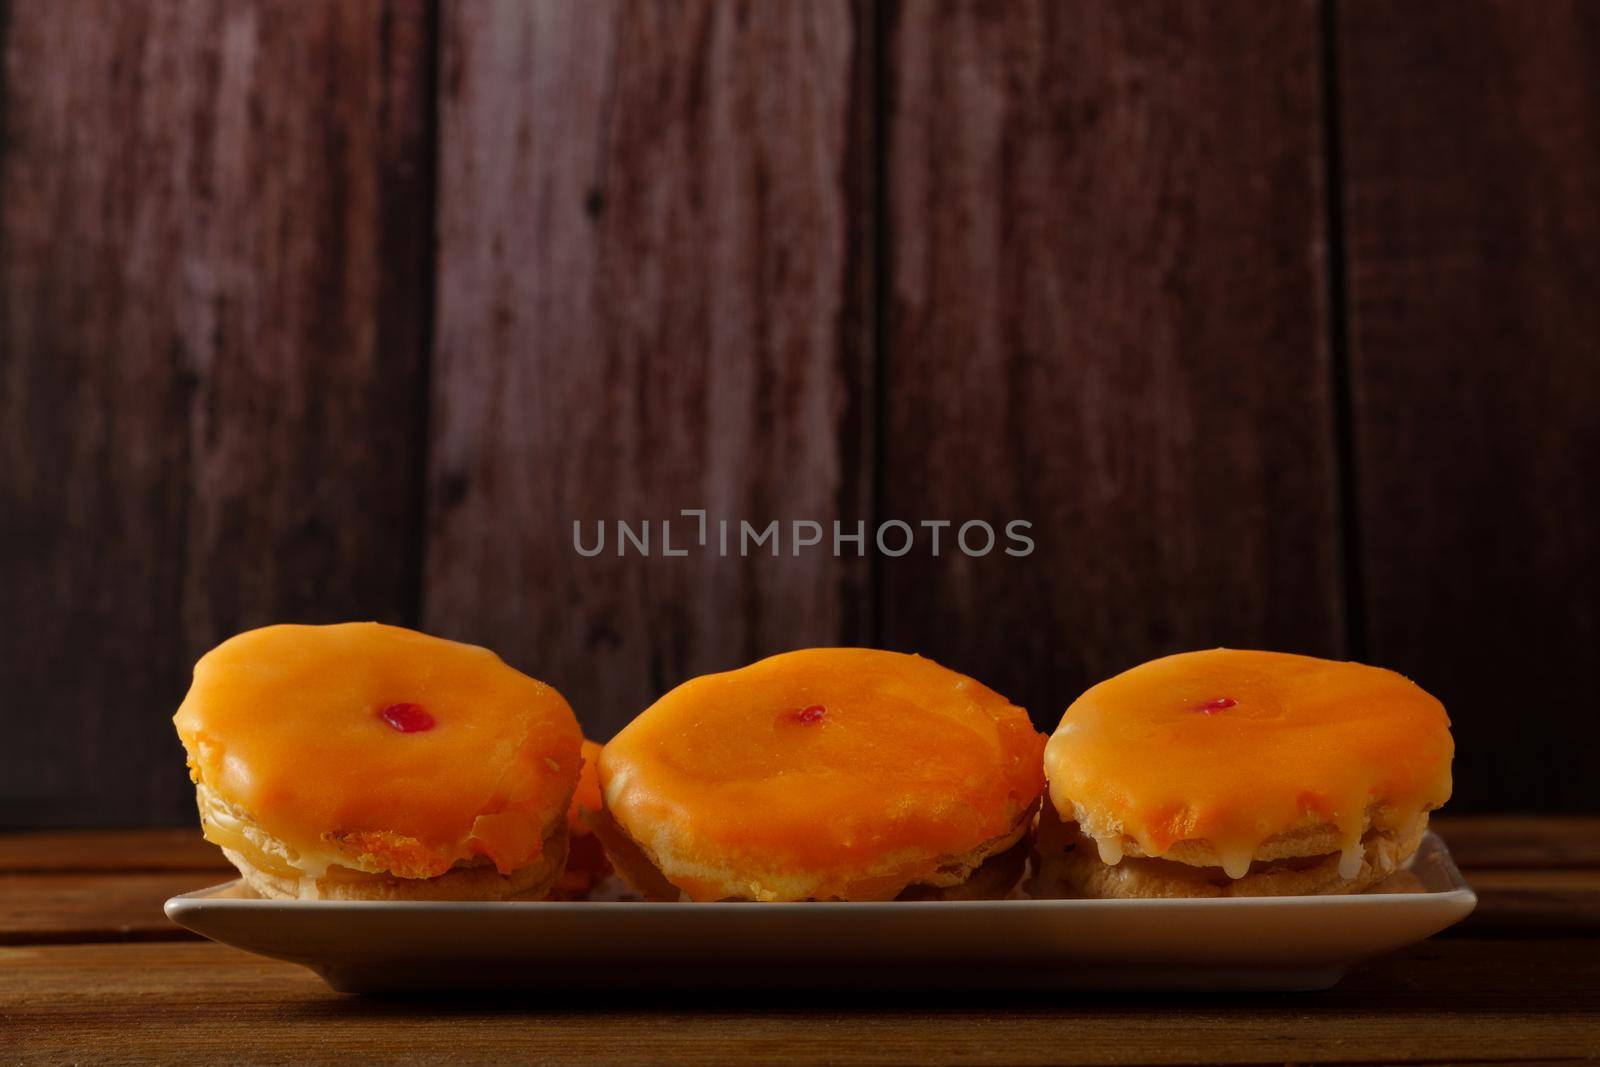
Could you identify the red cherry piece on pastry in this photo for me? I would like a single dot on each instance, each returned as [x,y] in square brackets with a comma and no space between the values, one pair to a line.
[809,715]
[1211,707]
[407,718]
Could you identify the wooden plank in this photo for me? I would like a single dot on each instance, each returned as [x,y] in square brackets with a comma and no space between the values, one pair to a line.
[1520,841]
[1472,160]
[1447,1001]
[648,301]
[109,851]
[1528,903]
[1105,252]
[214,228]
[42,909]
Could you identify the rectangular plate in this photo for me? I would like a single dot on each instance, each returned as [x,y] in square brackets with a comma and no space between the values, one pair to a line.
[1201,944]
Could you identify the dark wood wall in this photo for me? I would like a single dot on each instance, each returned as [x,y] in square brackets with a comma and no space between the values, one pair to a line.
[1279,321]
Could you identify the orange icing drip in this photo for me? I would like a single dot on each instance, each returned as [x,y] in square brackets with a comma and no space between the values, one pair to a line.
[586,858]
[588,795]
[1158,755]
[284,724]
[908,761]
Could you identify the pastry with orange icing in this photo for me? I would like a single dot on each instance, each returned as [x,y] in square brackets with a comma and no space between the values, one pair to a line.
[823,774]
[587,865]
[370,762]
[1236,773]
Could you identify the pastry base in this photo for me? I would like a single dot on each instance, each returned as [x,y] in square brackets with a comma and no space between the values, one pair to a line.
[1067,864]
[479,882]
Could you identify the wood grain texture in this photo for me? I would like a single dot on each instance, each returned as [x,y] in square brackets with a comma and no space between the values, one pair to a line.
[1471,140]
[1456,1001]
[648,301]
[659,276]
[1107,319]
[49,909]
[213,285]
[1534,903]
[1531,842]
[109,851]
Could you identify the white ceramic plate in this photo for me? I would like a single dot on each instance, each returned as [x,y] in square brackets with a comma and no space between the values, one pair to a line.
[1225,943]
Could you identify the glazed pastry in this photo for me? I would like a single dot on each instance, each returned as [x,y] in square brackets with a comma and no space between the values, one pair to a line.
[1234,773]
[823,774]
[363,761]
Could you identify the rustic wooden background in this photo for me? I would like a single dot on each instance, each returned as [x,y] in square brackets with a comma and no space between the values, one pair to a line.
[1278,320]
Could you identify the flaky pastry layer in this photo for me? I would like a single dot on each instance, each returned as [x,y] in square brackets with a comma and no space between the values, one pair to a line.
[478,881]
[988,872]
[1067,863]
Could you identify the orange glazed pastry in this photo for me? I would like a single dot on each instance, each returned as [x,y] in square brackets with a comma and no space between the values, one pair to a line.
[1230,773]
[363,761]
[824,774]
[587,865]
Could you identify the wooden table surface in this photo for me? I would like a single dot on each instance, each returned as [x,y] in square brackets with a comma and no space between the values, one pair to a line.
[90,970]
